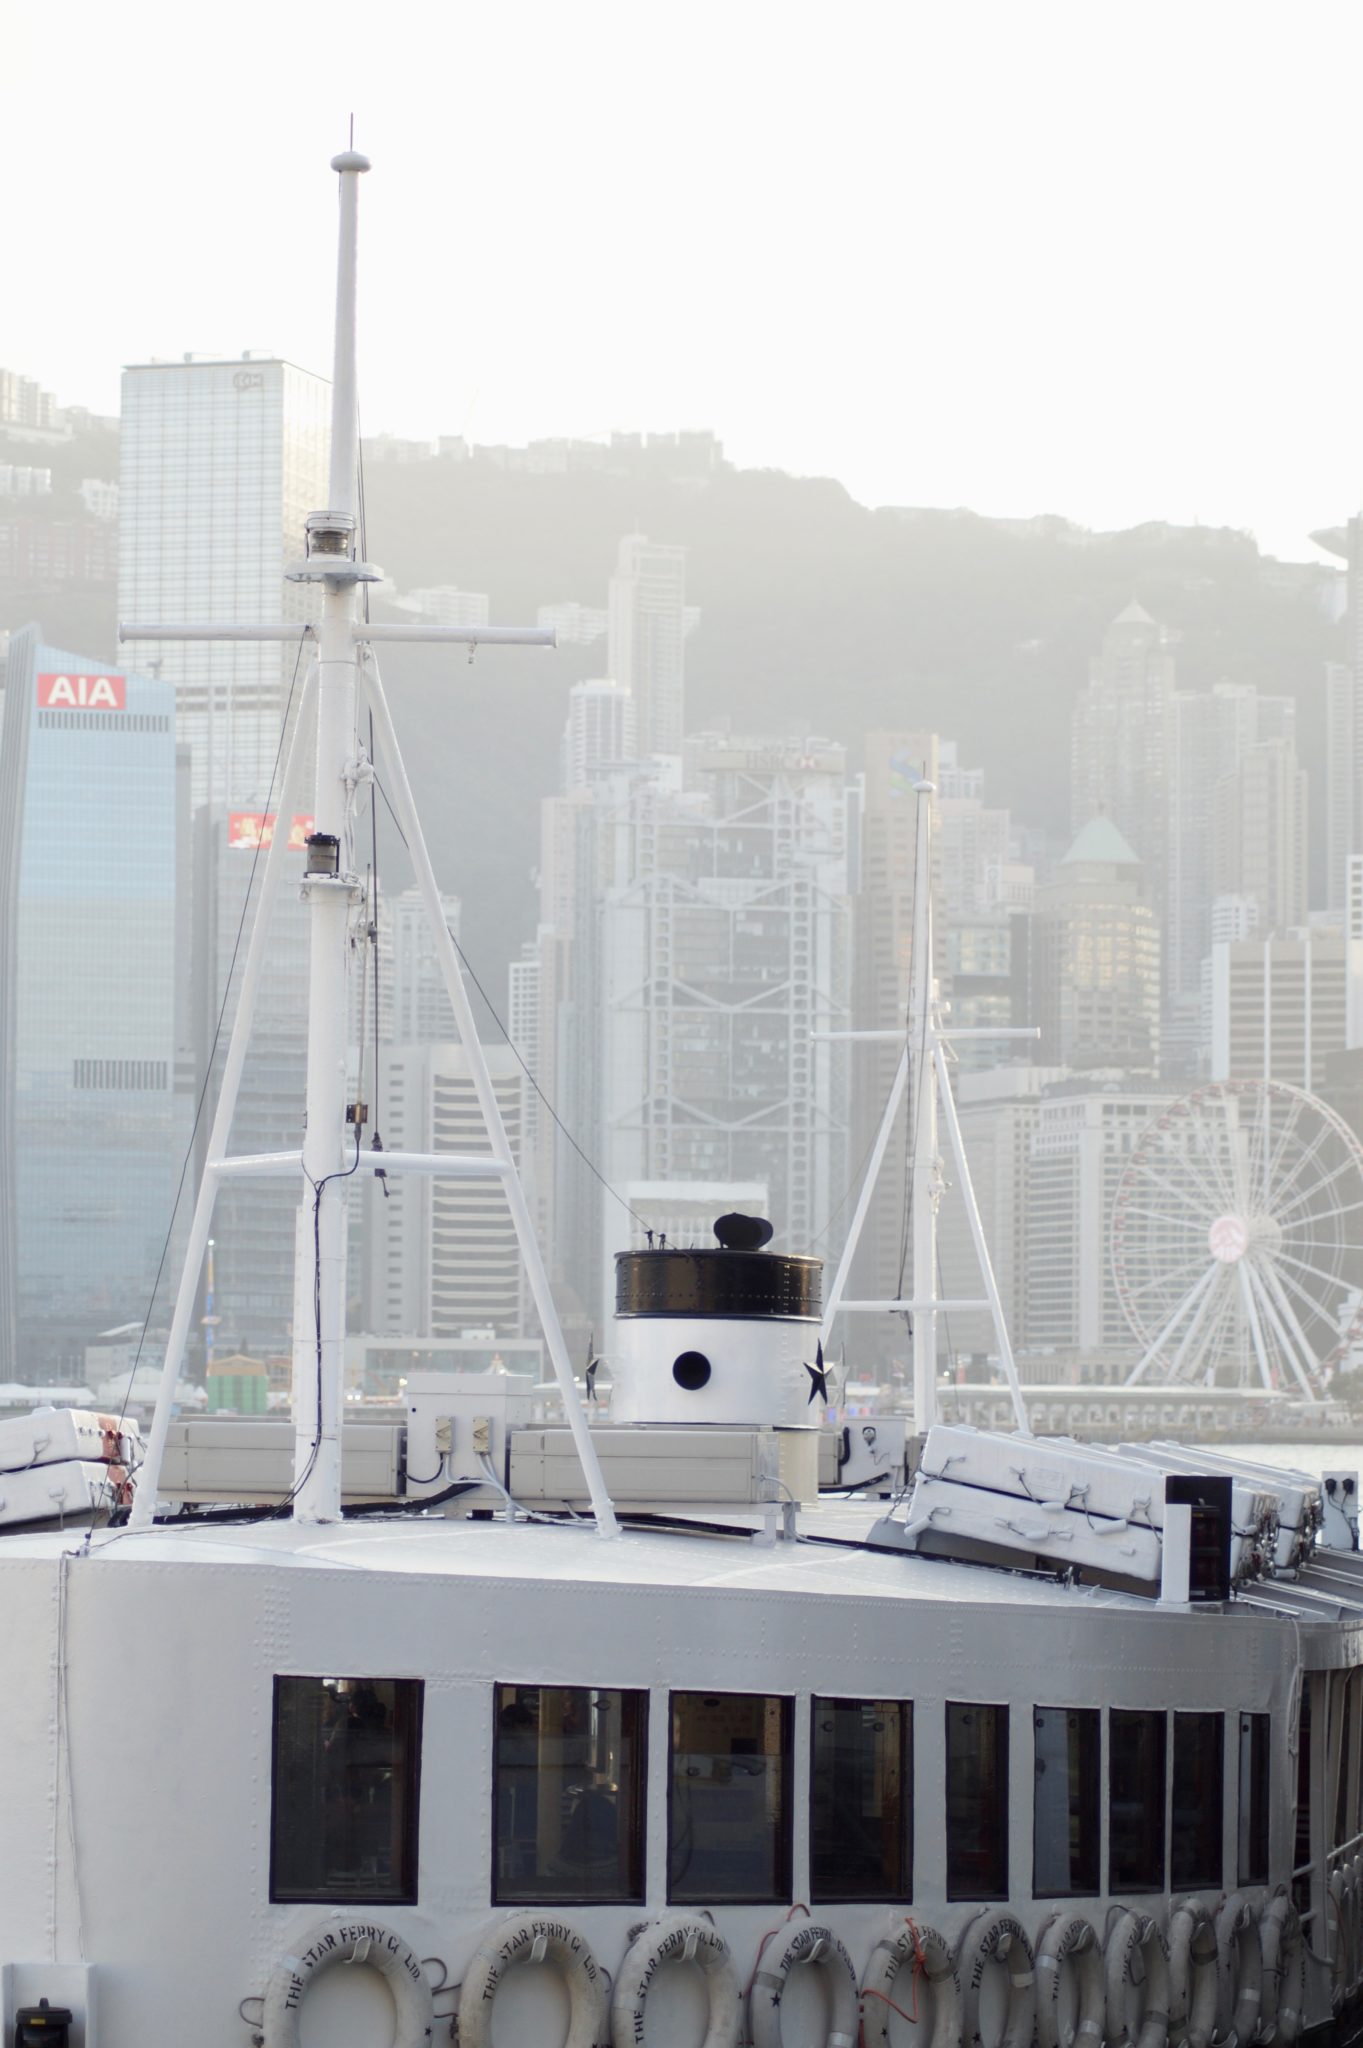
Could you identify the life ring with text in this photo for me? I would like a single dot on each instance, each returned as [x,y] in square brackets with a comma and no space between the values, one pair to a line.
[819,1946]
[1239,1972]
[898,1964]
[1193,1986]
[532,1938]
[997,1938]
[347,1938]
[1282,1956]
[1136,1975]
[1068,1947]
[676,1938]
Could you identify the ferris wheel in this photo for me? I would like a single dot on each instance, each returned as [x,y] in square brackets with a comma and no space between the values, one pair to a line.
[1237,1251]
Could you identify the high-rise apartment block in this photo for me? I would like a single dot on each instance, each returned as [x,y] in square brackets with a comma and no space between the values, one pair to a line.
[221,463]
[600,732]
[442,1254]
[1282,1004]
[646,639]
[88,867]
[1121,736]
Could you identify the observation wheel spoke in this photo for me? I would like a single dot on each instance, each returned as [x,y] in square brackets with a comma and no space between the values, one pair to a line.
[1302,1358]
[1255,1329]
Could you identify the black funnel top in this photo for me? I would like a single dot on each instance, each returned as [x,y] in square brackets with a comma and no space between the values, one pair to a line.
[742,1233]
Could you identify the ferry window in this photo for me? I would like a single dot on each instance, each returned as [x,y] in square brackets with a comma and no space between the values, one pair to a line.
[1136,1788]
[1253,1818]
[1301,1853]
[1199,1779]
[1066,1822]
[977,1802]
[569,1794]
[1342,1694]
[861,1800]
[347,1760]
[729,1816]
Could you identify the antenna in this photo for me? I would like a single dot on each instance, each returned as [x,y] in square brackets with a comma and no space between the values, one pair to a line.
[331,1151]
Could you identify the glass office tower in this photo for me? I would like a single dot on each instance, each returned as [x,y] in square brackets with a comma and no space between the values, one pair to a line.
[88,869]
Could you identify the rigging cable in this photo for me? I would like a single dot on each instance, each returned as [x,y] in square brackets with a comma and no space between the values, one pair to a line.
[591,1167]
[217,1034]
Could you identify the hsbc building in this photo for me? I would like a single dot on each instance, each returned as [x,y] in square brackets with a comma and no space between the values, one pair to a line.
[88,870]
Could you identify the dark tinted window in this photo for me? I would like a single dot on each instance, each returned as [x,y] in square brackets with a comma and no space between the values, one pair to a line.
[977,1802]
[1136,1788]
[347,1759]
[1199,1779]
[861,1800]
[1065,1839]
[728,1819]
[1253,1822]
[1301,1854]
[569,1794]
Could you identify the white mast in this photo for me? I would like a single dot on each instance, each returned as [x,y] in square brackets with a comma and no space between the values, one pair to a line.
[329,1148]
[331,1145]
[923,1065]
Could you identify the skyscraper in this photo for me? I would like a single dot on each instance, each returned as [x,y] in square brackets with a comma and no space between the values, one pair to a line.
[1260,834]
[221,463]
[600,732]
[88,865]
[1096,958]
[1344,717]
[646,640]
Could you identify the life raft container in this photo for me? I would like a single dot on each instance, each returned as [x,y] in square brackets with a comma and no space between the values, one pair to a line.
[1283,1957]
[997,1938]
[676,1938]
[1239,1973]
[1067,1942]
[1136,1974]
[532,1938]
[347,1938]
[919,1955]
[820,1947]
[1192,1975]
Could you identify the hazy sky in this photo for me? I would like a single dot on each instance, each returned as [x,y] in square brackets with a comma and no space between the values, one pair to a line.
[1083,256]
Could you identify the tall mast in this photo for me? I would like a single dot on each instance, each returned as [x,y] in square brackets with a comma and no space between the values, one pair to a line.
[925,1166]
[330,889]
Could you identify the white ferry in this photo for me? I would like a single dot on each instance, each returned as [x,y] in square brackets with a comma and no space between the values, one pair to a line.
[472,1728]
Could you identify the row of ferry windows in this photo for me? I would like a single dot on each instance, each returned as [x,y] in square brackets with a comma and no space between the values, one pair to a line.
[569,1800]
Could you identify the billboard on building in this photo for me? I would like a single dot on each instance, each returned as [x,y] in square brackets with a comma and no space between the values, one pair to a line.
[256,828]
[82,693]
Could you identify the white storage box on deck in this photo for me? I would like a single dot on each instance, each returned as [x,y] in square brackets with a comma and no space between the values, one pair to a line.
[50,1436]
[53,1493]
[1087,1485]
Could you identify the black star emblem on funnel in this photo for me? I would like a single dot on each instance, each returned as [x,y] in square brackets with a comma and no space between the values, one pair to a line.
[818,1376]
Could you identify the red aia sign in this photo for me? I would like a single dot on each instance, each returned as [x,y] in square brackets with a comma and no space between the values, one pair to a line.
[82,693]
[256,828]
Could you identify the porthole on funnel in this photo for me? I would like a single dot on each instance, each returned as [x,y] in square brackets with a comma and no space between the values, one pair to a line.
[691,1370]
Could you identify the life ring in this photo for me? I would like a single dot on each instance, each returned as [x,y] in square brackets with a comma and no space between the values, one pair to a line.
[1341,1938]
[1067,1941]
[676,1938]
[1134,1961]
[819,1946]
[929,1957]
[997,1938]
[1192,1975]
[532,1938]
[1239,1972]
[345,1938]
[1283,1957]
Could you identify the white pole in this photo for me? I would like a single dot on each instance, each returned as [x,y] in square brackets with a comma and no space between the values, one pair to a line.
[328,1146]
[868,1188]
[924,1125]
[405,808]
[981,1242]
[149,1476]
